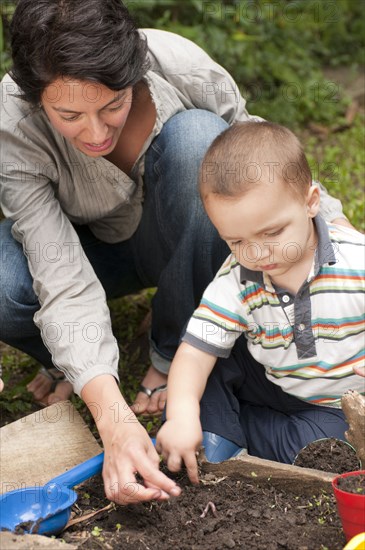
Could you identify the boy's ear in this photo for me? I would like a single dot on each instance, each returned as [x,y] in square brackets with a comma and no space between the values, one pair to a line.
[313,200]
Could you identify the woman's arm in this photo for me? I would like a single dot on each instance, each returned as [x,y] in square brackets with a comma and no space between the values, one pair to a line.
[181,435]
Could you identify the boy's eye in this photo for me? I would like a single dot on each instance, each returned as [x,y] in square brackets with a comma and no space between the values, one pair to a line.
[236,242]
[275,233]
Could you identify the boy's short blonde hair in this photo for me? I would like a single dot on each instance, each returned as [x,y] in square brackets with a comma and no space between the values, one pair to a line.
[251,153]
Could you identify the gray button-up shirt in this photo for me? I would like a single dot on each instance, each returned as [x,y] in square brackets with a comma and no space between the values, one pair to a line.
[45,183]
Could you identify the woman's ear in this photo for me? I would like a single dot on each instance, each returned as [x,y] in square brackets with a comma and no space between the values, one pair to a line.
[313,200]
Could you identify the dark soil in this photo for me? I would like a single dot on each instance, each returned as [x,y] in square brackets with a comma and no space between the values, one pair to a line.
[227,512]
[328,455]
[352,484]
[248,515]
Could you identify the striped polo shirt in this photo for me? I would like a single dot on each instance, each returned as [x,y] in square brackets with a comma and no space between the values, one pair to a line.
[308,343]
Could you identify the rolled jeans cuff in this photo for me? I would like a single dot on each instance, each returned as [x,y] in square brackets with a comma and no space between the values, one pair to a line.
[159,363]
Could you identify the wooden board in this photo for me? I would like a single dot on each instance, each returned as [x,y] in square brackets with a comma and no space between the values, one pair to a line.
[42,445]
[307,480]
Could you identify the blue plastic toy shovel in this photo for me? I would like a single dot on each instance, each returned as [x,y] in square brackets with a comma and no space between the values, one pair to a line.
[46,510]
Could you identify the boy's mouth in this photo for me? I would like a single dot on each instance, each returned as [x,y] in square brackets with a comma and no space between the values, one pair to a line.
[268,267]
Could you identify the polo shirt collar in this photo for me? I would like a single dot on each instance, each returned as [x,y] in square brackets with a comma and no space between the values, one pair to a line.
[325,254]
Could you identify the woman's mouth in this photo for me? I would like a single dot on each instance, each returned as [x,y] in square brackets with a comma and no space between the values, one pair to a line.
[98,147]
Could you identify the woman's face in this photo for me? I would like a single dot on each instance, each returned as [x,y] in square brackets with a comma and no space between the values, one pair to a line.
[88,114]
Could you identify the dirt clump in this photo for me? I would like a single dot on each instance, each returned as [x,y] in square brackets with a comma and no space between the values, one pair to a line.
[328,455]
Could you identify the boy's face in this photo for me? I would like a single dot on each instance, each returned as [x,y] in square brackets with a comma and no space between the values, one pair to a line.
[268,228]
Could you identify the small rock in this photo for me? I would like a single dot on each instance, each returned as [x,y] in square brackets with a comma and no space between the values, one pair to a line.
[229,543]
[291,518]
[301,519]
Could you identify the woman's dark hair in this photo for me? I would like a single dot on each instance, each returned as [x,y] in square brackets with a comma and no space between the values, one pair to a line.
[94,40]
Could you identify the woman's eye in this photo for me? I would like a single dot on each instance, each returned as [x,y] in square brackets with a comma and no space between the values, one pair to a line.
[117,108]
[70,119]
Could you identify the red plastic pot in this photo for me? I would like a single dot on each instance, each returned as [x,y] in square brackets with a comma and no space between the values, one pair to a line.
[351,507]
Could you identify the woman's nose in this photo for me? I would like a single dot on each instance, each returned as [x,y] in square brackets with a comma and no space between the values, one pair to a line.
[97,131]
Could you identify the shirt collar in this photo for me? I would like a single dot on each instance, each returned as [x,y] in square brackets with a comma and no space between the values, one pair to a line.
[325,254]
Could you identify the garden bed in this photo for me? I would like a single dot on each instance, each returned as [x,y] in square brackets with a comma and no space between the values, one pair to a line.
[244,513]
[248,503]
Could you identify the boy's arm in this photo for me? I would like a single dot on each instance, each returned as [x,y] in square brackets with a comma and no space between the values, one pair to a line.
[181,435]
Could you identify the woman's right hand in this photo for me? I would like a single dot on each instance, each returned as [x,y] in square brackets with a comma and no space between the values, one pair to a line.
[128,449]
[127,454]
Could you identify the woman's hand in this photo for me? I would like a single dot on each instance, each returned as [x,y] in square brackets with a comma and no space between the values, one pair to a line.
[127,447]
[128,453]
[179,440]
[1,385]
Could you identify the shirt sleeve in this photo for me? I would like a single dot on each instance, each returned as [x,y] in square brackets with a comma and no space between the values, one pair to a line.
[198,78]
[73,318]
[221,316]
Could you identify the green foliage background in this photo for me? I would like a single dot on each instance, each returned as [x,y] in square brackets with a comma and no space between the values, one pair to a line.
[274,48]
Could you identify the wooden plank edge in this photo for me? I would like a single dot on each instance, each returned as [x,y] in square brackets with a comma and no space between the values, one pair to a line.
[285,476]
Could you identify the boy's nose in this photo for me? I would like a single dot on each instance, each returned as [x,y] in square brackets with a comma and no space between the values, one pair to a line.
[266,253]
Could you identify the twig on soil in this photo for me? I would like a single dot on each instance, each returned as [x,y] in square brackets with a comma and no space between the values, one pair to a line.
[212,481]
[144,544]
[212,507]
[89,516]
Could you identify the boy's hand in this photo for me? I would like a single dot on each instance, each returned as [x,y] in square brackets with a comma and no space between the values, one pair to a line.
[179,441]
[360,371]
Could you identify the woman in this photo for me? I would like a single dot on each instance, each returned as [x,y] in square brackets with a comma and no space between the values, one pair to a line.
[103,129]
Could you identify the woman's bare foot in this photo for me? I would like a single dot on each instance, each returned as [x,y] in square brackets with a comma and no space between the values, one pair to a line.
[152,400]
[48,389]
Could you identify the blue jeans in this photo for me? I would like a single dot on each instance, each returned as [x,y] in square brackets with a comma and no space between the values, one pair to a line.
[175,247]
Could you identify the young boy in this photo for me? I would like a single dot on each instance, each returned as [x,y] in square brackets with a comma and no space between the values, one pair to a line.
[293,286]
